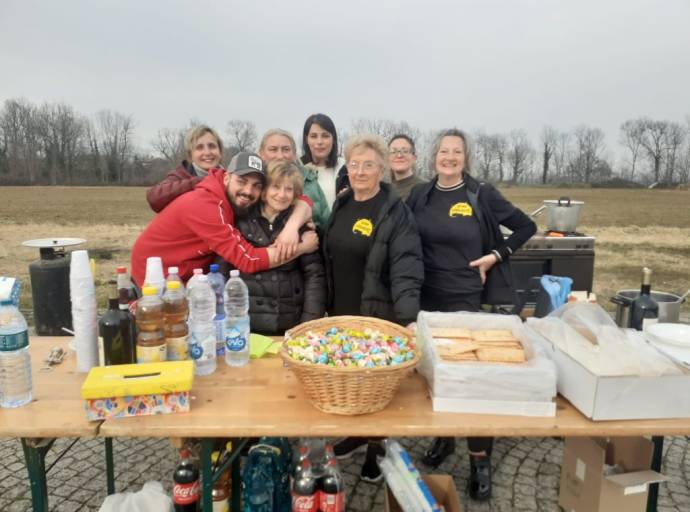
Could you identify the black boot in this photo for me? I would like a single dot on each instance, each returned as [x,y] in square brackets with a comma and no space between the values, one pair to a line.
[480,477]
[442,447]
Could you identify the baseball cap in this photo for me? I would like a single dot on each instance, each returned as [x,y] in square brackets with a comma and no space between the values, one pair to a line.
[245,163]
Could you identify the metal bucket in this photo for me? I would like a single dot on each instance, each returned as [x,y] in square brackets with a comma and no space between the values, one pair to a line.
[669,306]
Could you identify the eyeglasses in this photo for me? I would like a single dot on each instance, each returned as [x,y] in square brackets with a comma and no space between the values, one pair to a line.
[368,166]
[400,152]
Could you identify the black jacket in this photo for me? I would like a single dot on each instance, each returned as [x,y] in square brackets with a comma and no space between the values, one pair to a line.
[394,268]
[285,296]
[492,210]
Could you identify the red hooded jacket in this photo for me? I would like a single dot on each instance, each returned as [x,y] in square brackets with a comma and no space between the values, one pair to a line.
[191,230]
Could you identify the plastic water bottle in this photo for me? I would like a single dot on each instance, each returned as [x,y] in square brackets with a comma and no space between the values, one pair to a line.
[217,282]
[202,344]
[236,321]
[192,280]
[15,362]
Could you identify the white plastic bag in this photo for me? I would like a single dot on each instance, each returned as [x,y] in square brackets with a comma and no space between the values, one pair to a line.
[589,335]
[151,498]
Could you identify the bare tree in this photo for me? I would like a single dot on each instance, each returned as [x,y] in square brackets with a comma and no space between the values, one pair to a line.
[485,154]
[632,133]
[62,131]
[561,155]
[590,144]
[549,139]
[169,143]
[519,153]
[654,143]
[675,137]
[114,134]
[19,125]
[241,136]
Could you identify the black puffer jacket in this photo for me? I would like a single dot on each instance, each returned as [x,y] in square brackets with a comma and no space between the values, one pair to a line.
[285,296]
[394,270]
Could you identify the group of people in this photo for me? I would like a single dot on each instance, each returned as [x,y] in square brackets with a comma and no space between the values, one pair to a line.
[321,235]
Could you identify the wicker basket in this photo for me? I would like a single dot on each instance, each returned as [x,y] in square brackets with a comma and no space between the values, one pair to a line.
[349,390]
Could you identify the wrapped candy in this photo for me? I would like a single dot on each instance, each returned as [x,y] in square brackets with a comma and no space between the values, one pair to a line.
[350,347]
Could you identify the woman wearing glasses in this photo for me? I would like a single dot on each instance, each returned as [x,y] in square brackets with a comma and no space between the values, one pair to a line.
[373,257]
[320,153]
[402,157]
[465,260]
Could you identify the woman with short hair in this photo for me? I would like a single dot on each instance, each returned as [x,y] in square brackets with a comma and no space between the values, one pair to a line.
[320,153]
[279,144]
[466,260]
[373,258]
[294,292]
[204,150]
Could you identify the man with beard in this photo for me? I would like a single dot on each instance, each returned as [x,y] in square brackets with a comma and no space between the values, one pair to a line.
[200,224]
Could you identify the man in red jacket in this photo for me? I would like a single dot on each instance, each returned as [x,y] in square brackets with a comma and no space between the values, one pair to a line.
[190,231]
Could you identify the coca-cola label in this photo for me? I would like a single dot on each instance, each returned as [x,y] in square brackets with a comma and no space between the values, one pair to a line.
[332,502]
[184,494]
[305,503]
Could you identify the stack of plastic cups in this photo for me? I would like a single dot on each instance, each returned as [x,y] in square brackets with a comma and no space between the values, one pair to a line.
[154,274]
[84,320]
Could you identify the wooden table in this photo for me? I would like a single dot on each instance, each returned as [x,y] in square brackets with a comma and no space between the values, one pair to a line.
[56,410]
[265,399]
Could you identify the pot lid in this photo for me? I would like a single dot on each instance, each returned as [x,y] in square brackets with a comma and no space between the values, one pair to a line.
[563,202]
[45,243]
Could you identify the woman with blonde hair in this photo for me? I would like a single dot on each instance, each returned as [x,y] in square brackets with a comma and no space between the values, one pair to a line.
[295,292]
[204,152]
[279,144]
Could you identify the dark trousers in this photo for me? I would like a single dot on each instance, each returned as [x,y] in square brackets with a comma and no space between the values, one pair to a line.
[480,444]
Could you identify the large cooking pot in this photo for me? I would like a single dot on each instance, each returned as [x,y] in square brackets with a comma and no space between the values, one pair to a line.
[669,306]
[561,214]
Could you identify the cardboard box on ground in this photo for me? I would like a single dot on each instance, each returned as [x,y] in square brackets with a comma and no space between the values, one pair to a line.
[585,486]
[441,486]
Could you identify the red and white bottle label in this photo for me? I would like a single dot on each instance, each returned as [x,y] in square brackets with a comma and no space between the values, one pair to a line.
[332,502]
[184,494]
[305,503]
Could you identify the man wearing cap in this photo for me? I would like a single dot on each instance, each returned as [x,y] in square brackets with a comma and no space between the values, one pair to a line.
[197,225]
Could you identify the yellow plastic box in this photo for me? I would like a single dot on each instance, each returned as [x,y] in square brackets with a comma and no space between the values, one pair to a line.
[137,389]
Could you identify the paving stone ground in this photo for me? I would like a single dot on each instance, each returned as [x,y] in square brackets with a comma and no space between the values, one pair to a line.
[526,474]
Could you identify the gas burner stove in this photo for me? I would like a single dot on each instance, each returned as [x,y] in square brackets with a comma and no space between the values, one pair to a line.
[556,241]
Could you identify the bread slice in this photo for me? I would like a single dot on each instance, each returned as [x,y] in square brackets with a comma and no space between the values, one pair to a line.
[501,355]
[451,332]
[493,335]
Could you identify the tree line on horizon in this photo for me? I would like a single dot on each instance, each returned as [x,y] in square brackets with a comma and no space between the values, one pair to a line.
[53,144]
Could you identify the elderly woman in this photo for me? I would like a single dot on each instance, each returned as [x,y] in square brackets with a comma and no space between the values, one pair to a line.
[295,292]
[279,144]
[373,258]
[466,260]
[204,151]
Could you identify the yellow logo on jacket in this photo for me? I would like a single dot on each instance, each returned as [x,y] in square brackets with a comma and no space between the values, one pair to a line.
[460,210]
[363,226]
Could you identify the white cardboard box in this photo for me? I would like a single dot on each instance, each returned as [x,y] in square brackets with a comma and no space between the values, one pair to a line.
[526,389]
[618,398]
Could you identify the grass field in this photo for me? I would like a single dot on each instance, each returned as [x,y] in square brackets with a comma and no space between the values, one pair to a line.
[633,228]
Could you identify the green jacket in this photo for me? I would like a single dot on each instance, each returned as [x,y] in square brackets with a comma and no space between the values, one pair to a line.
[321,211]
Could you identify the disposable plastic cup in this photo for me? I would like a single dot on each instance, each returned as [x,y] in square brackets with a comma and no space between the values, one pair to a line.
[80,266]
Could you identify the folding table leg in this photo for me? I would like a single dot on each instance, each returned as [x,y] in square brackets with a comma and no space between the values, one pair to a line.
[653,494]
[236,478]
[35,451]
[206,473]
[109,465]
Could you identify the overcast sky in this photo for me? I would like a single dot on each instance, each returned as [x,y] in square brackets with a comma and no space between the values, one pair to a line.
[496,65]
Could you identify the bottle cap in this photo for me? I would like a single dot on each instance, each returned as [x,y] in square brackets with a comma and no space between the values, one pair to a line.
[234,273]
[121,270]
[173,285]
[149,290]
[198,271]
[214,267]
[173,270]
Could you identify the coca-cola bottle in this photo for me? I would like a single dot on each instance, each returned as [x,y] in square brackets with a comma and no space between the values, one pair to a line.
[332,489]
[186,485]
[305,492]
